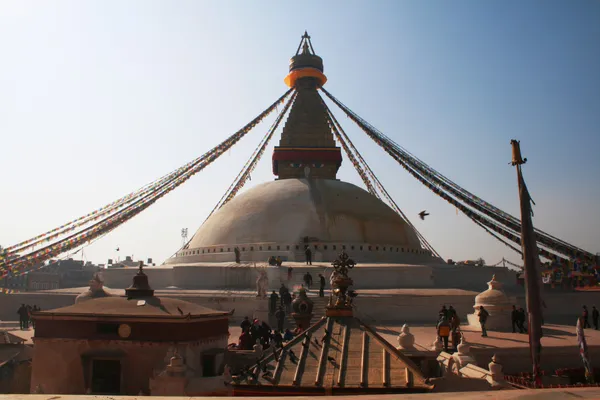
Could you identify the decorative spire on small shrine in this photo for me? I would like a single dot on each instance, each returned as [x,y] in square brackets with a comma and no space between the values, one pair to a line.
[343,296]
[140,286]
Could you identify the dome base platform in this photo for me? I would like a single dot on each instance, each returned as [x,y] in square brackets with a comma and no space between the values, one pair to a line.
[232,276]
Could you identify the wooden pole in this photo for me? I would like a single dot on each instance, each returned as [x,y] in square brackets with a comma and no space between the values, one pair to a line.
[531,261]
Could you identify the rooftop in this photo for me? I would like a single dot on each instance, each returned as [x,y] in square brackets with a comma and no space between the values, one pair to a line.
[142,307]
[336,352]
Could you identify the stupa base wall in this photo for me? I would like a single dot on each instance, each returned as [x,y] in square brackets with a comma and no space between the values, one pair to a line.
[231,276]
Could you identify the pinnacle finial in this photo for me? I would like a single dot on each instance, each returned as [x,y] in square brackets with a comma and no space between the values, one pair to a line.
[305,45]
[141,266]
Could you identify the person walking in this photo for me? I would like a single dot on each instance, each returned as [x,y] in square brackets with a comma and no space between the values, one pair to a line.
[246,324]
[22,311]
[514,319]
[443,312]
[273,303]
[595,315]
[321,285]
[443,331]
[522,318]
[280,316]
[290,273]
[586,322]
[308,280]
[483,316]
[451,312]
[287,301]
[308,254]
[282,291]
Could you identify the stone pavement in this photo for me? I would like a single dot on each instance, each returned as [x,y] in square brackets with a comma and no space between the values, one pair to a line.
[556,336]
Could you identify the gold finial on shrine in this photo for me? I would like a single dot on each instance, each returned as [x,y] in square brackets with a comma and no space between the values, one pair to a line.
[305,64]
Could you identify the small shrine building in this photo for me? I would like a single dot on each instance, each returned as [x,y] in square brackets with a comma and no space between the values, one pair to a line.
[130,345]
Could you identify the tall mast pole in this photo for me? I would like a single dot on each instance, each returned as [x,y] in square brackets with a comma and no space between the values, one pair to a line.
[531,261]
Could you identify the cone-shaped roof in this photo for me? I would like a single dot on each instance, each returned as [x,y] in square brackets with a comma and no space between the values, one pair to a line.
[339,353]
[336,353]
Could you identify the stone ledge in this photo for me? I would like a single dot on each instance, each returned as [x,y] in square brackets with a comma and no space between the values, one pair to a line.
[555,394]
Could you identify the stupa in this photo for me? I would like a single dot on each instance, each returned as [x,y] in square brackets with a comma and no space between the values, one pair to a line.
[306,205]
[497,304]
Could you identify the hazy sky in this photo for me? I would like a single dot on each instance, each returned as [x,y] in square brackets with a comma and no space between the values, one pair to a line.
[98,98]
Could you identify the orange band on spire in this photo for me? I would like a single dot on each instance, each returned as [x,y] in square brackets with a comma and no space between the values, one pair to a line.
[306,72]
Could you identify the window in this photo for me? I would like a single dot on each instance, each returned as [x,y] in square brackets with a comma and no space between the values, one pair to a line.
[277,247]
[297,247]
[287,247]
[107,329]
[370,249]
[269,247]
[316,247]
[229,249]
[384,249]
[251,248]
[376,247]
[208,365]
[334,247]
[221,250]
[361,248]
[260,248]
[325,247]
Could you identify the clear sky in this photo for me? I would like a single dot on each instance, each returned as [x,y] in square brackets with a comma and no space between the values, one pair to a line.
[98,98]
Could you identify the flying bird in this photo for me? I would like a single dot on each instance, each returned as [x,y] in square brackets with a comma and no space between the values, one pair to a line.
[423,214]
[325,336]
[118,249]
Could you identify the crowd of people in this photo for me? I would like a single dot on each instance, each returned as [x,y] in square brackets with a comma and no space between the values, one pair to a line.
[260,333]
[448,327]
[24,313]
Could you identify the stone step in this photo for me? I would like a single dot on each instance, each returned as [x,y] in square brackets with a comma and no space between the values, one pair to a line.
[9,324]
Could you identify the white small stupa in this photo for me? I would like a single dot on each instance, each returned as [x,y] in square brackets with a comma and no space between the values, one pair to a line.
[497,304]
